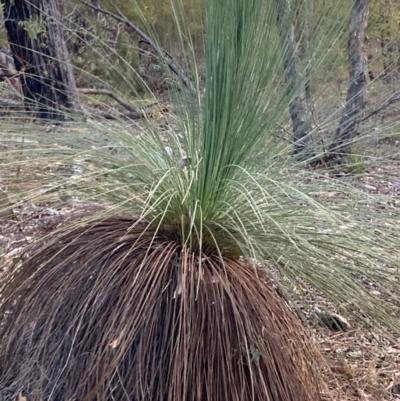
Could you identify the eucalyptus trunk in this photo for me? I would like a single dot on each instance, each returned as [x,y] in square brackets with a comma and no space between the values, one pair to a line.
[298,111]
[40,53]
[356,91]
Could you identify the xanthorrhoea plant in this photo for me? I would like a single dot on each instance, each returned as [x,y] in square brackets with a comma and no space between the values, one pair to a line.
[170,304]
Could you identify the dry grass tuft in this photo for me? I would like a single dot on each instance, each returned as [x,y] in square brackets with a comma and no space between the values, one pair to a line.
[113,311]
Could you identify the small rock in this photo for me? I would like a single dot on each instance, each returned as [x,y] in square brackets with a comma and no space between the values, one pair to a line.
[396,186]
[333,321]
[169,152]
[395,389]
[184,162]
[370,187]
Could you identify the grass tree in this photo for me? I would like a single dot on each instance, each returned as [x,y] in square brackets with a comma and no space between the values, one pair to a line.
[164,294]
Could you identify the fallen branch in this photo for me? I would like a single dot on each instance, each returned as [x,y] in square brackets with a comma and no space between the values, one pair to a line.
[172,65]
[106,92]
[133,113]
[10,103]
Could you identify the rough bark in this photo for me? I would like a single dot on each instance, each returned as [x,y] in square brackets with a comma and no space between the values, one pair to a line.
[41,57]
[8,73]
[356,91]
[297,108]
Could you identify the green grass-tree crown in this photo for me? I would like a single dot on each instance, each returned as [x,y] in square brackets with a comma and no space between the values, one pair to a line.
[240,192]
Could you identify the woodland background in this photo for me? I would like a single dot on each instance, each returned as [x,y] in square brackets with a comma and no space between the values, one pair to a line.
[102,48]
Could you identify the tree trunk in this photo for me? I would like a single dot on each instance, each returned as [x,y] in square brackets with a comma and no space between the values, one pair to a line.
[355,99]
[36,41]
[297,108]
[384,24]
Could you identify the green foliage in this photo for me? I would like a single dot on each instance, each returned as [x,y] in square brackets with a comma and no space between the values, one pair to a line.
[34,27]
[384,19]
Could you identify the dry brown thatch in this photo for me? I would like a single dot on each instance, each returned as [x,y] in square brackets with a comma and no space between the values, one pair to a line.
[112,311]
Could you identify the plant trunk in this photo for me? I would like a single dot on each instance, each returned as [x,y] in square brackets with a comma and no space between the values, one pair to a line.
[356,90]
[298,112]
[36,41]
